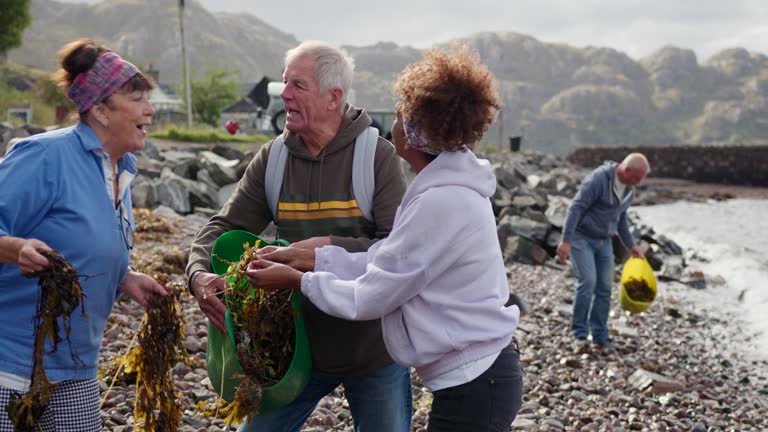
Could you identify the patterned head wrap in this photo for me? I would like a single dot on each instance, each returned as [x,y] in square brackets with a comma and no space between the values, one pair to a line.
[419,142]
[108,74]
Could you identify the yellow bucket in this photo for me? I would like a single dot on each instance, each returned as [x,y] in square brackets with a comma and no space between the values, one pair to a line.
[636,269]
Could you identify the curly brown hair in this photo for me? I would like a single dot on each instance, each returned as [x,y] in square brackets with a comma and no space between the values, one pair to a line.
[450,96]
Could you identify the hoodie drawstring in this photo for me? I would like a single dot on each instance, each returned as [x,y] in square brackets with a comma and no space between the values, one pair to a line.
[307,199]
[309,182]
[320,180]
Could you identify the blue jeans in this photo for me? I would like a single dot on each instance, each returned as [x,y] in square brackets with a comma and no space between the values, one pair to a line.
[379,401]
[593,267]
[489,403]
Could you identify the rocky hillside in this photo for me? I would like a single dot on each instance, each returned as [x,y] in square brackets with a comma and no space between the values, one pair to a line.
[556,96]
[148,33]
[560,97]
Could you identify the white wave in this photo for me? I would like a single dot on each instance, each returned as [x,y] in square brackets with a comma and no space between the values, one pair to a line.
[731,237]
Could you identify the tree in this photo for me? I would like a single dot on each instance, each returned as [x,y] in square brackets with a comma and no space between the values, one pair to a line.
[14,18]
[52,94]
[212,94]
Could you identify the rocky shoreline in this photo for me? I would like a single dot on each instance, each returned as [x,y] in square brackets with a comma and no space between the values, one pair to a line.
[678,366]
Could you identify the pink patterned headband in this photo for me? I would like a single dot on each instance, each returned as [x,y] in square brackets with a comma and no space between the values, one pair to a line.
[101,81]
[417,141]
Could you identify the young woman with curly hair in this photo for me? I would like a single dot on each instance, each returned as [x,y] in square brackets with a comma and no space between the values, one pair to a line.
[438,281]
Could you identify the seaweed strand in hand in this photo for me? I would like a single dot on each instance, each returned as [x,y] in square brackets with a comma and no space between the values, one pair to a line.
[59,294]
[158,406]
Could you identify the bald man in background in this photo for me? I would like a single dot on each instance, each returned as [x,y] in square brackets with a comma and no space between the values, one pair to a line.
[597,212]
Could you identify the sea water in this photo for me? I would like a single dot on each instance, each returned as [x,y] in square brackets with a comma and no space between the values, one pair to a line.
[731,237]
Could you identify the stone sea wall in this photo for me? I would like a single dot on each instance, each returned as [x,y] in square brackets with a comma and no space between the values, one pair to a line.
[741,165]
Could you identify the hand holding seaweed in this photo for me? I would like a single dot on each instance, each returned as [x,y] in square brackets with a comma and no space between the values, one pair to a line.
[297,258]
[31,258]
[59,294]
[271,276]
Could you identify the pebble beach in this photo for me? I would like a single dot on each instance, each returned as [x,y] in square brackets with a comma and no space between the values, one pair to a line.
[679,367]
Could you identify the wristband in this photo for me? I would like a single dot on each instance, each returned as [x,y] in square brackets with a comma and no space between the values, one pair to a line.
[192,280]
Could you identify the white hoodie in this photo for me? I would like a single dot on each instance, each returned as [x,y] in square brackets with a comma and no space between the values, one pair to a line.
[437,281]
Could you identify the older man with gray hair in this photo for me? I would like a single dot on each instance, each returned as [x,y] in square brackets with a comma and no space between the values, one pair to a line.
[316,206]
[597,212]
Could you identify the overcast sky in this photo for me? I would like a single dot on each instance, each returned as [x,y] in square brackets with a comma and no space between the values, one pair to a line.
[636,27]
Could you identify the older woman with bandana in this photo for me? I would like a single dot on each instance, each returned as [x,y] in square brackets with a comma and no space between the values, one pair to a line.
[438,281]
[69,190]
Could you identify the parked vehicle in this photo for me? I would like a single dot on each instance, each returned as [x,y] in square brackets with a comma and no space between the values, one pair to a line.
[276,108]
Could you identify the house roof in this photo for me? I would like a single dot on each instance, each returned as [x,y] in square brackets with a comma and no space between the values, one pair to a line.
[161,100]
[244,105]
[258,93]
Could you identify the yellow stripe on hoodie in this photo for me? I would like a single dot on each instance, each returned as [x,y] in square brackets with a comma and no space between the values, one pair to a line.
[318,214]
[324,205]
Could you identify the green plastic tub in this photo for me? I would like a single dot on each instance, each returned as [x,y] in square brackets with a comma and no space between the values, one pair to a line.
[224,368]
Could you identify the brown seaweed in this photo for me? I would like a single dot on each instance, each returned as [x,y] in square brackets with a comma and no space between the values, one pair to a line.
[638,290]
[158,406]
[59,294]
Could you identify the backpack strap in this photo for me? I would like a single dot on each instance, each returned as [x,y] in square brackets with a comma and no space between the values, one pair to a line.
[273,178]
[363,181]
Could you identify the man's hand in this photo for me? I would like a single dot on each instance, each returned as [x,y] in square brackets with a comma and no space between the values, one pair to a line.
[204,286]
[299,259]
[271,276]
[563,251]
[312,243]
[30,260]
[140,287]
[637,251]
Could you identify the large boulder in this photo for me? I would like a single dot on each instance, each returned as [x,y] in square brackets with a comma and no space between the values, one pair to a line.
[149,167]
[222,171]
[150,150]
[519,249]
[183,195]
[144,192]
[516,225]
[507,177]
[172,193]
[557,209]
[228,152]
[187,168]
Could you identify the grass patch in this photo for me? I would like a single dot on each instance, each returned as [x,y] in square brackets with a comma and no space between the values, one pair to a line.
[206,136]
[43,112]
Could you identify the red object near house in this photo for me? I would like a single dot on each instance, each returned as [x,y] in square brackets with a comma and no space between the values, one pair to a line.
[232,127]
